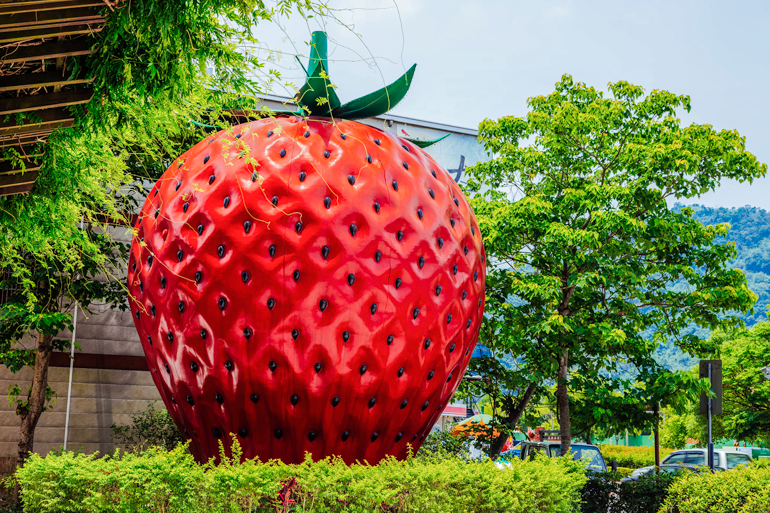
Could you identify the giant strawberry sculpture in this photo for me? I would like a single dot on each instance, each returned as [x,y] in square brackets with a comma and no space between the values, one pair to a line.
[307,284]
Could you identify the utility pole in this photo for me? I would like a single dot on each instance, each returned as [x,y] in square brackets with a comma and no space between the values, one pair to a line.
[656,413]
[710,406]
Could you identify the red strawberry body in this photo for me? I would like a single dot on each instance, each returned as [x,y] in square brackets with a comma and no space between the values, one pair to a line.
[311,286]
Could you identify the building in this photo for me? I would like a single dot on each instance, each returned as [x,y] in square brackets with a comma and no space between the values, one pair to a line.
[111,380]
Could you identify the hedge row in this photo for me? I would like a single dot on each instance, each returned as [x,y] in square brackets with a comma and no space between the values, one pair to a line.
[159,480]
[632,457]
[743,490]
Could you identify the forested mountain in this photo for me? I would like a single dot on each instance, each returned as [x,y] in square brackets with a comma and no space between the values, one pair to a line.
[750,231]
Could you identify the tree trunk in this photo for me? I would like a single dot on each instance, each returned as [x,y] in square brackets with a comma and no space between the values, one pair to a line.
[562,403]
[36,401]
[513,418]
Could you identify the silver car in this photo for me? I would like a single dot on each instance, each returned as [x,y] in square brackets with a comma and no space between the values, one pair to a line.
[725,459]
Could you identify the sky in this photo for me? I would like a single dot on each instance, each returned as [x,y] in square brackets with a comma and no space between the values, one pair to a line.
[483,59]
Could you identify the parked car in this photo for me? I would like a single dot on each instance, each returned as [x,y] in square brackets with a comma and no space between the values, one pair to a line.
[672,468]
[553,450]
[724,459]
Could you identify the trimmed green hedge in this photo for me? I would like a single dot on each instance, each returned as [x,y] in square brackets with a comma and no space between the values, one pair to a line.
[743,490]
[172,482]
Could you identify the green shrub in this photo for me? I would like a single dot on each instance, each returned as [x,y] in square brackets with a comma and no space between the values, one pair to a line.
[148,428]
[632,457]
[743,490]
[171,481]
[625,471]
[604,493]
[443,444]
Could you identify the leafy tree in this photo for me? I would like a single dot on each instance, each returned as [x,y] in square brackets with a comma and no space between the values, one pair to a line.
[592,255]
[149,76]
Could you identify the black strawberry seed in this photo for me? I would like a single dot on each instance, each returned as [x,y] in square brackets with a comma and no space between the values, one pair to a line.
[141,287]
[398,283]
[362,370]
[404,146]
[253,176]
[149,261]
[217,432]
[457,202]
[345,336]
[465,250]
[438,289]
[317,367]
[351,179]
[419,213]
[242,433]
[298,227]
[425,405]
[156,192]
[433,173]
[270,303]
[278,433]
[206,159]
[247,333]
[238,136]
[323,304]
[156,213]
[449,378]
[152,309]
[351,279]
[377,256]
[399,235]
[302,176]
[294,400]
[353,230]
[451,348]
[272,366]
[344,136]
[335,401]
[421,262]
[185,207]
[311,436]
[200,229]
[325,252]
[254,398]
[221,251]
[414,438]
[369,159]
[227,201]
[133,266]
[271,250]
[247,226]
[406,166]
[211,179]
[167,368]
[180,255]
[307,134]
[432,194]
[374,436]
[296,275]
[274,200]
[465,294]
[204,334]
[427,343]
[473,231]
[229,365]
[479,303]
[327,202]
[270,133]
[395,185]
[218,398]
[372,402]
[181,307]
[377,207]
[403,404]
[390,339]
[137,314]
[454,269]
[398,437]
[282,153]
[452,221]
[222,303]
[149,340]
[400,372]
[440,243]
[449,318]
[327,154]
[373,308]
[475,275]
[198,277]
[294,333]
[469,324]
[430,375]
[345,435]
